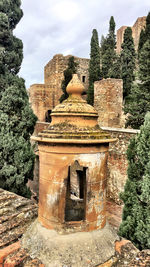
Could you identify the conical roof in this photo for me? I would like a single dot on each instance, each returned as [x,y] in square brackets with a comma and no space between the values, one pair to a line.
[74,121]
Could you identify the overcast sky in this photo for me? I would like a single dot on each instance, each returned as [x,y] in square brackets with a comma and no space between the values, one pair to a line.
[51,27]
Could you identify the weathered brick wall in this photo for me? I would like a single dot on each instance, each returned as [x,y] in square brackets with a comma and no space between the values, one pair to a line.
[136,29]
[117,161]
[108,101]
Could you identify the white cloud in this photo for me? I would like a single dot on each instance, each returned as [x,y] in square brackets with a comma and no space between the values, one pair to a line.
[49,27]
[66,10]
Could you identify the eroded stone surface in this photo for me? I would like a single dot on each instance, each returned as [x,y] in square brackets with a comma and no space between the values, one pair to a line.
[75,250]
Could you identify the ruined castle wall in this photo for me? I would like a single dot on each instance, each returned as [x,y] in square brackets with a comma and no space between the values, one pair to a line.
[41,99]
[44,97]
[117,161]
[54,73]
[120,34]
[108,101]
[136,29]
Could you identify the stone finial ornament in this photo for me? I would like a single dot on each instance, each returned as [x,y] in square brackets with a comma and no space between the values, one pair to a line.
[75,87]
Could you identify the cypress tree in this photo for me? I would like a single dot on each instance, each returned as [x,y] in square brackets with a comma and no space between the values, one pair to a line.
[142,40]
[139,99]
[94,66]
[103,45]
[17,120]
[127,61]
[115,71]
[145,34]
[147,27]
[135,224]
[71,69]
[108,50]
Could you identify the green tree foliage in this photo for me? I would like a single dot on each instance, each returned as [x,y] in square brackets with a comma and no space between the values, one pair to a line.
[147,27]
[145,34]
[142,40]
[135,224]
[116,69]
[94,66]
[108,50]
[127,61]
[17,120]
[139,99]
[71,69]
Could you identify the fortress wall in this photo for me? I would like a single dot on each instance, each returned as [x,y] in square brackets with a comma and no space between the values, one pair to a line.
[117,161]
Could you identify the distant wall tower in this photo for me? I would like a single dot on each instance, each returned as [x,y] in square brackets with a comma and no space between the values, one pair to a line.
[44,97]
[108,101]
[136,29]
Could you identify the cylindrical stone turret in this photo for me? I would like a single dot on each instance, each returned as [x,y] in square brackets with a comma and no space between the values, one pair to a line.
[73,157]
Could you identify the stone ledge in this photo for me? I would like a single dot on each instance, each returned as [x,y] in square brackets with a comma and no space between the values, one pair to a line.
[123,130]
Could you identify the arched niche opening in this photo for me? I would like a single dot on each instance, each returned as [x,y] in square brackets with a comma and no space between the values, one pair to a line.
[75,207]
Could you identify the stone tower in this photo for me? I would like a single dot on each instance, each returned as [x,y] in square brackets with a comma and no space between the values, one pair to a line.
[44,97]
[136,29]
[108,101]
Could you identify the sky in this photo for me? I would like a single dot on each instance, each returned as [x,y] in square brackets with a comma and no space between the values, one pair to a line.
[51,27]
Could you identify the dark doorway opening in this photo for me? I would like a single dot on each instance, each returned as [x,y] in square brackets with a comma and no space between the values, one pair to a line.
[83,79]
[76,193]
[48,116]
